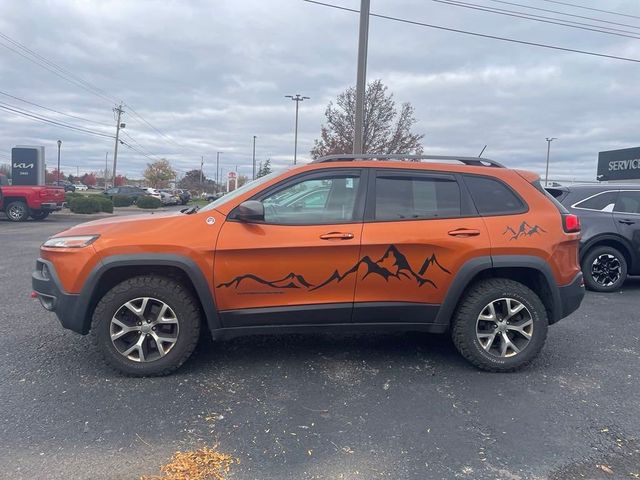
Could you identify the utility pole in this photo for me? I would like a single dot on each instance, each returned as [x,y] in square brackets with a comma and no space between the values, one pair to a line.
[106,173]
[118,111]
[77,171]
[254,158]
[201,167]
[217,170]
[296,99]
[59,145]
[546,175]
[361,81]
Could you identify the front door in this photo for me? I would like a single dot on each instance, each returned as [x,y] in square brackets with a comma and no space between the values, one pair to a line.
[626,215]
[416,236]
[290,269]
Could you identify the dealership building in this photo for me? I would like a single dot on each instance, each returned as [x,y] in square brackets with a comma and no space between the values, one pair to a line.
[619,166]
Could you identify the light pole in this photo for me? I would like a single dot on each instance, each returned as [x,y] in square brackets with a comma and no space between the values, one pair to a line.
[106,161]
[217,170]
[361,79]
[59,145]
[254,158]
[296,99]
[546,175]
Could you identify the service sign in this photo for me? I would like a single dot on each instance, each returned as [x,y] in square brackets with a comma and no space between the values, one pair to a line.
[619,164]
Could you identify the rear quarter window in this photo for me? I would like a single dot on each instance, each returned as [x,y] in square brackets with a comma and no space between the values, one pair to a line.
[492,197]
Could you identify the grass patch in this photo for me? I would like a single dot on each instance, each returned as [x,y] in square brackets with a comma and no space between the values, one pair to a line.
[202,464]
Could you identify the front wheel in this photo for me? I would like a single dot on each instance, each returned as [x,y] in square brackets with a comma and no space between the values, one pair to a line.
[604,269]
[500,325]
[17,211]
[146,326]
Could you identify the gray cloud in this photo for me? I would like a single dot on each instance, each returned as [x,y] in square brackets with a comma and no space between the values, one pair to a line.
[211,74]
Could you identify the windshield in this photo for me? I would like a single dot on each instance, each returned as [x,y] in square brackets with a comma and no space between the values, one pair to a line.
[236,193]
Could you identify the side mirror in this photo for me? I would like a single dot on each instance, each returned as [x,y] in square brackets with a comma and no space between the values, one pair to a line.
[250,211]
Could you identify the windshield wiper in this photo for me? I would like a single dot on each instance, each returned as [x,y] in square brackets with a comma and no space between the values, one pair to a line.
[189,211]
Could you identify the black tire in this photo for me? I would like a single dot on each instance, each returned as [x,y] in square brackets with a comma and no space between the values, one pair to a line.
[173,294]
[39,215]
[17,211]
[466,320]
[609,259]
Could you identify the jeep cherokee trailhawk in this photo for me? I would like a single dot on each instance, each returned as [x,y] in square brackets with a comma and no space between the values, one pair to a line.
[363,243]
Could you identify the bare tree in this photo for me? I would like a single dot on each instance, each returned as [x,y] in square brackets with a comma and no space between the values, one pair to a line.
[386,129]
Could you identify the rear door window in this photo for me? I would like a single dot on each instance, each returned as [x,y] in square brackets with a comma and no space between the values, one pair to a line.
[628,202]
[492,197]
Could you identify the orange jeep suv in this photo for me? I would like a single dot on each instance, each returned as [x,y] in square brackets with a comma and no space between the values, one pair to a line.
[432,244]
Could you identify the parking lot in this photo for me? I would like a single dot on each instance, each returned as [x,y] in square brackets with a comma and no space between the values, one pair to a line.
[401,406]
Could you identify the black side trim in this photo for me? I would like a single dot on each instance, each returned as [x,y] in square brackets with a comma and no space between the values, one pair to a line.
[571,295]
[394,312]
[315,314]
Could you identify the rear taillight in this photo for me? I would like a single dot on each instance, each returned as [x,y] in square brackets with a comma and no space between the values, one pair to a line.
[570,223]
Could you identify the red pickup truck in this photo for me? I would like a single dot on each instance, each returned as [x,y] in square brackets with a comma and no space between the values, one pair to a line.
[19,202]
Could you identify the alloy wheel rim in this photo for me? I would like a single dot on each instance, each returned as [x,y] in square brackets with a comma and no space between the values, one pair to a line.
[16,212]
[504,327]
[606,269]
[144,329]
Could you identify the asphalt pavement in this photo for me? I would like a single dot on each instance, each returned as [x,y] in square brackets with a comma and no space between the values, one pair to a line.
[400,406]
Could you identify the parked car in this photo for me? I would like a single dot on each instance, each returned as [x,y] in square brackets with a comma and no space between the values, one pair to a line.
[168,198]
[81,187]
[474,249]
[610,244]
[128,191]
[68,186]
[210,197]
[184,195]
[153,192]
[19,202]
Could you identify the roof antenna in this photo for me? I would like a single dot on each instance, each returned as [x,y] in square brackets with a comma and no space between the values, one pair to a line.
[483,149]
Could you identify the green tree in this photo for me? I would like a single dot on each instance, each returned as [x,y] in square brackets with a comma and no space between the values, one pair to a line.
[191,181]
[158,174]
[387,129]
[5,169]
[265,169]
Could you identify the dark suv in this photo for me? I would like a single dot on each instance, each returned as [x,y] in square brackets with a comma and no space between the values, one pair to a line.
[610,245]
[127,191]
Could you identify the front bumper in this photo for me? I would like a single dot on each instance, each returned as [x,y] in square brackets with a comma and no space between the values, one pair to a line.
[51,207]
[571,296]
[48,289]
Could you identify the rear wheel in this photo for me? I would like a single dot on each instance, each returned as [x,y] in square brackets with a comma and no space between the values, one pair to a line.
[17,211]
[39,215]
[146,326]
[500,325]
[604,269]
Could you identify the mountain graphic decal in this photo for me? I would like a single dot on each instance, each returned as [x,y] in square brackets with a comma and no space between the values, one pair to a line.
[525,230]
[393,264]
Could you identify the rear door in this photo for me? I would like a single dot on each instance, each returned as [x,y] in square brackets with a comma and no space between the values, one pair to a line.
[626,215]
[293,268]
[420,228]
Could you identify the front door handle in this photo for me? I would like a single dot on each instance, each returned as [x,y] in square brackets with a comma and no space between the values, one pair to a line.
[336,236]
[626,221]
[464,232]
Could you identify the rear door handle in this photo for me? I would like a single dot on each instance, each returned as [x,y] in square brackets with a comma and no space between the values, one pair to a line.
[464,232]
[336,236]
[626,222]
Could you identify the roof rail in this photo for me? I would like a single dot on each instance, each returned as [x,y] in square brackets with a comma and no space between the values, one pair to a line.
[475,161]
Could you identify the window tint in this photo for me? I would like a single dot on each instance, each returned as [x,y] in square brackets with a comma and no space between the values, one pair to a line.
[628,202]
[329,199]
[403,197]
[493,197]
[602,201]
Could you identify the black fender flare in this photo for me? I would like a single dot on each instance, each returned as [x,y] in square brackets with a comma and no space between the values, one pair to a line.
[87,300]
[609,237]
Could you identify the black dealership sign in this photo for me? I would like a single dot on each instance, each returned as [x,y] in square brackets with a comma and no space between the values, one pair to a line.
[619,164]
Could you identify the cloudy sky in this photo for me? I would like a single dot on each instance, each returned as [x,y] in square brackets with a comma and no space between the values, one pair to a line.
[208,75]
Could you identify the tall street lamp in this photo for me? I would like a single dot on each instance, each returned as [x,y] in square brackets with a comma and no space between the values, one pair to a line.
[296,99]
[217,170]
[59,145]
[254,157]
[546,175]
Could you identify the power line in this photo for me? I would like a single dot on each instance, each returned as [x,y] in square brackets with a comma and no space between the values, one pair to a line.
[159,132]
[563,13]
[610,12]
[140,146]
[482,35]
[34,116]
[54,67]
[53,110]
[535,18]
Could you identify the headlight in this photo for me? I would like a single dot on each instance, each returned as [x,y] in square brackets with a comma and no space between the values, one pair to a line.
[79,241]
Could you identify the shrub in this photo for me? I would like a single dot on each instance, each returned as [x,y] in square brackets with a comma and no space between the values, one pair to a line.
[122,201]
[69,195]
[90,204]
[147,201]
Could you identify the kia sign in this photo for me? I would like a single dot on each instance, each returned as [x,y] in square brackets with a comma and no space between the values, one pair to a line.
[27,165]
[619,164]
